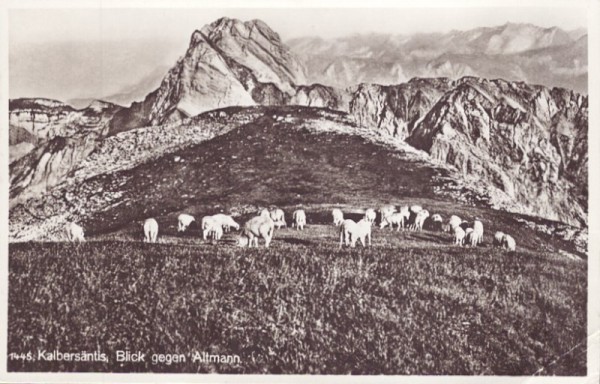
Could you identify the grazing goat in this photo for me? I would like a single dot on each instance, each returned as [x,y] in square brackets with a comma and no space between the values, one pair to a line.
[509,243]
[299,217]
[454,222]
[422,215]
[256,227]
[459,235]
[386,211]
[225,221]
[150,230]
[278,218]
[393,219]
[338,216]
[184,221]
[370,215]
[350,232]
[498,239]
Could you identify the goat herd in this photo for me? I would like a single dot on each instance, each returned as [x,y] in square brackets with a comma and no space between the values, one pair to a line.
[263,226]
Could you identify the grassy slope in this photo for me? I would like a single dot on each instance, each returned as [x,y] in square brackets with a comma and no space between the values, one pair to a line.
[265,163]
[408,305]
[269,163]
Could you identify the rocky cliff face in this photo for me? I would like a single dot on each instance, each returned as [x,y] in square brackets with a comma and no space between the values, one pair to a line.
[46,119]
[321,96]
[228,62]
[47,165]
[396,109]
[48,139]
[528,141]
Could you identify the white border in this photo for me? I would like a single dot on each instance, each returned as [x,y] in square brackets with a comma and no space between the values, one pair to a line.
[594,190]
[593,353]
[4,181]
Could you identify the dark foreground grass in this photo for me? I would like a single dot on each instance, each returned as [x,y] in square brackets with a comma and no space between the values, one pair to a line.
[300,307]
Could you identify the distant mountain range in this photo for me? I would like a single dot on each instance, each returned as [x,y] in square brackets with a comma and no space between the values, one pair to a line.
[516,52]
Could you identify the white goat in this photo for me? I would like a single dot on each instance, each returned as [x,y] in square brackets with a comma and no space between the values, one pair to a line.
[256,227]
[422,215]
[184,221]
[454,222]
[498,239]
[225,221]
[370,215]
[150,230]
[509,243]
[350,232]
[477,236]
[74,232]
[299,217]
[338,216]
[278,218]
[459,235]
[393,219]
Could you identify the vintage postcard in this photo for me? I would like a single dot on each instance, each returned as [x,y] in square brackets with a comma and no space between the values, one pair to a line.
[280,191]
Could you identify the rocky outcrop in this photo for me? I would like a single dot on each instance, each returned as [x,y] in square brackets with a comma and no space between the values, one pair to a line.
[528,141]
[321,96]
[47,165]
[396,109]
[48,140]
[228,63]
[46,119]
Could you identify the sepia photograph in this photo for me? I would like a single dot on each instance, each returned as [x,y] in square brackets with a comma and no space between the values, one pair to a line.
[299,190]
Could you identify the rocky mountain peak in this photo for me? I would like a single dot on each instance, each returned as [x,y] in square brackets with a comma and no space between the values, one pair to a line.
[228,62]
[225,26]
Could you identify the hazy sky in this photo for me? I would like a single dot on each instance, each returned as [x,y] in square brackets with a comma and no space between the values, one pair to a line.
[93,52]
[175,24]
